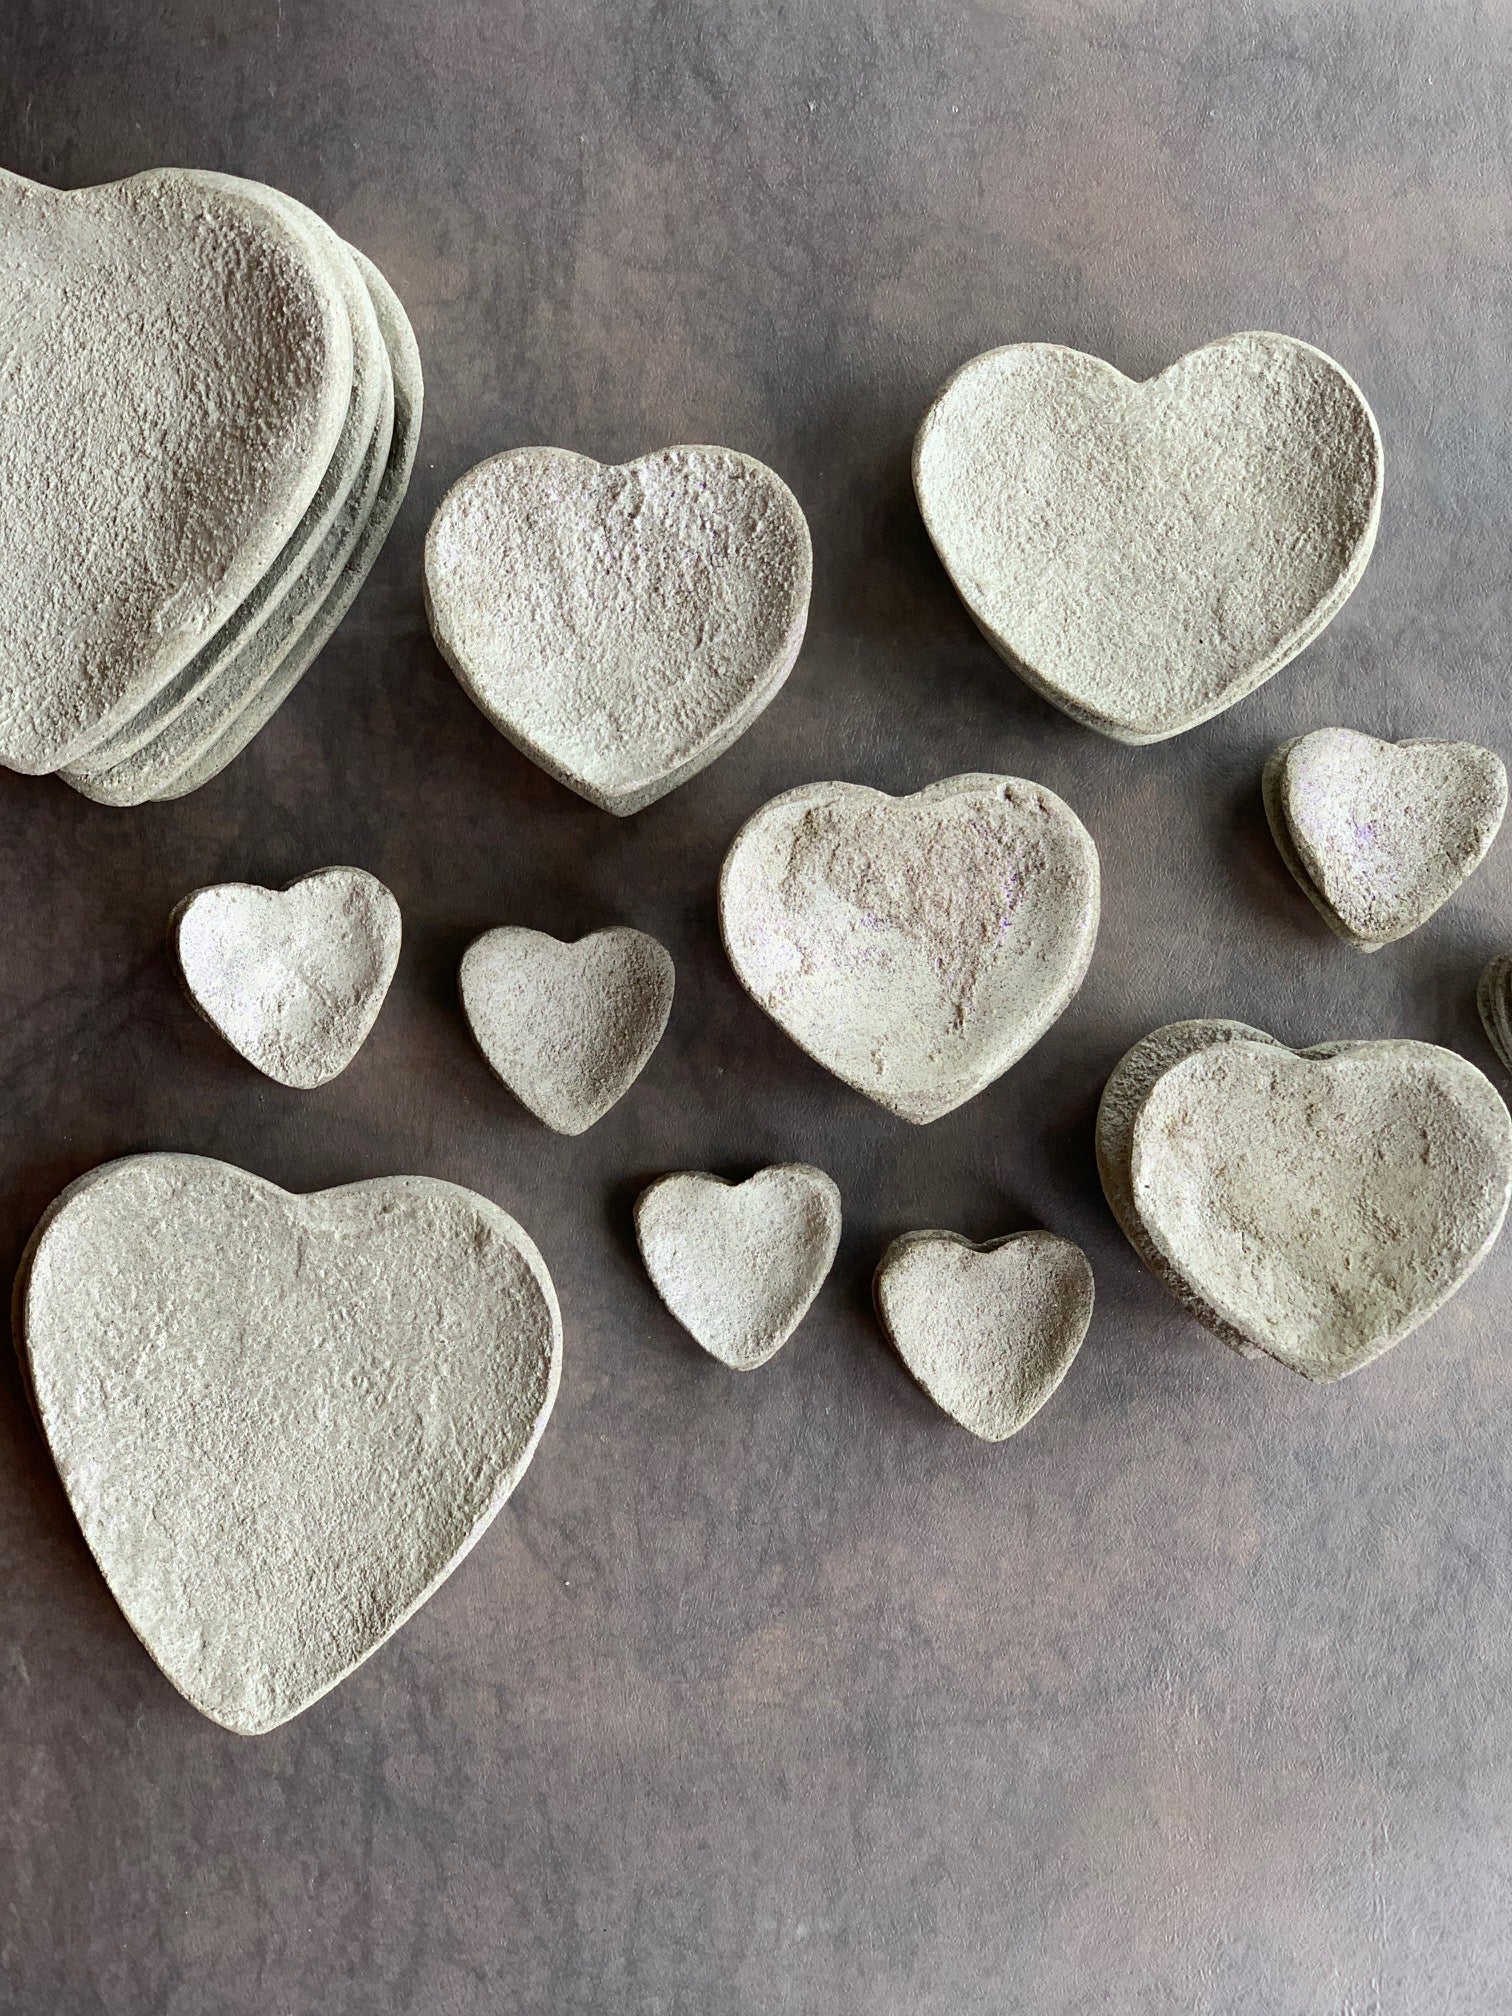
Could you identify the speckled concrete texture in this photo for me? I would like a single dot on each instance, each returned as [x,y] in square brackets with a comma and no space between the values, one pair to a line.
[779,1692]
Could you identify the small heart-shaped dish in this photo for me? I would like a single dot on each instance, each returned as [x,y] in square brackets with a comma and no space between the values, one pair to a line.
[621,625]
[1146,554]
[915,947]
[568,1028]
[1379,835]
[739,1263]
[988,1331]
[292,978]
[1323,1203]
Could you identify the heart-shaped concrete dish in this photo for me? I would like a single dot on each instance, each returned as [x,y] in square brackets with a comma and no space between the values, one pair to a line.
[281,1421]
[567,1027]
[1379,835]
[988,1331]
[1322,1203]
[1145,554]
[292,978]
[917,946]
[739,1263]
[621,625]
[179,370]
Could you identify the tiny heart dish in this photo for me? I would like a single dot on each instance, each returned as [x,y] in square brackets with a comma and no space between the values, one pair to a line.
[1145,554]
[915,947]
[988,1331]
[621,625]
[739,1263]
[1379,835]
[292,978]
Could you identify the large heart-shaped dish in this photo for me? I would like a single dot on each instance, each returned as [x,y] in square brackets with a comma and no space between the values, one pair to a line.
[1379,835]
[1326,1204]
[1147,554]
[178,369]
[281,1421]
[621,625]
[916,947]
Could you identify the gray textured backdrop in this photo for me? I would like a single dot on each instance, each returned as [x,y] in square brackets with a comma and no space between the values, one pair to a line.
[780,1693]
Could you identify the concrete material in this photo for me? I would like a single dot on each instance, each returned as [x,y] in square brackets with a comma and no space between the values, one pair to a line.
[1379,835]
[916,946]
[282,1421]
[292,978]
[270,685]
[1146,554]
[988,1331]
[369,415]
[1325,1205]
[155,311]
[568,1028]
[621,625]
[739,1263]
[1129,1085]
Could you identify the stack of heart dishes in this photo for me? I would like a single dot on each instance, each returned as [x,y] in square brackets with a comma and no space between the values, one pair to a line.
[211,416]
[1379,835]
[1314,1205]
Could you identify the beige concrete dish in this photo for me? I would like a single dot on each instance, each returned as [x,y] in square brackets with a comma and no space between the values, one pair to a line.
[915,946]
[1379,835]
[988,1331]
[739,1263]
[1146,554]
[282,1421]
[154,314]
[621,625]
[1324,1204]
[292,978]
[567,1027]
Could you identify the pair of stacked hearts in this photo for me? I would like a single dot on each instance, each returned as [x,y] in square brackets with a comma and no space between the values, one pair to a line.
[1379,835]
[988,1331]
[1314,1205]
[212,411]
[1145,554]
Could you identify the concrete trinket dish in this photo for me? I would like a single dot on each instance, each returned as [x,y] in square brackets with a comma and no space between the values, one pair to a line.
[915,947]
[739,1263]
[621,625]
[988,1331]
[568,1028]
[281,1421]
[1146,554]
[292,978]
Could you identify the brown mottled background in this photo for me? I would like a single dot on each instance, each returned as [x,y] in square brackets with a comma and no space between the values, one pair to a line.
[780,1693]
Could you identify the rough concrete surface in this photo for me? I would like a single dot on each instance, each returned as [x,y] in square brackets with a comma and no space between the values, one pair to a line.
[988,1331]
[292,978]
[914,947]
[281,1421]
[568,1028]
[622,626]
[779,1693]
[1147,554]
[1379,835]
[739,1264]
